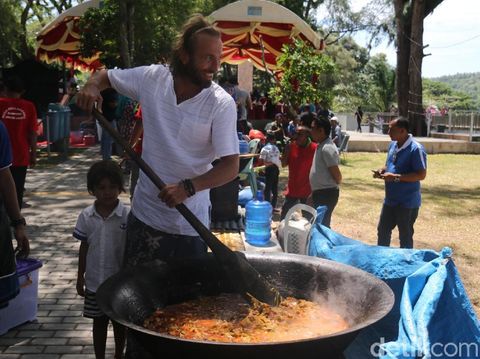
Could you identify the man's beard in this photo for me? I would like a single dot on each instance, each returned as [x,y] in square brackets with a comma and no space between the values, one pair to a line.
[194,76]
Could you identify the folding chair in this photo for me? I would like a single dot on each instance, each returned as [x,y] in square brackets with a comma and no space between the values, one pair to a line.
[253,145]
[248,173]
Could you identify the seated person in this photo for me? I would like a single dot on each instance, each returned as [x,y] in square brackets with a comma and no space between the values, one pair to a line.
[276,128]
[336,133]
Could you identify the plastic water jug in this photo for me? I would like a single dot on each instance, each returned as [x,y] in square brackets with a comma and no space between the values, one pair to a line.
[258,218]
[243,145]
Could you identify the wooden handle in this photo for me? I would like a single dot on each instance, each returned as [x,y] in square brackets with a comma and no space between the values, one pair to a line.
[213,242]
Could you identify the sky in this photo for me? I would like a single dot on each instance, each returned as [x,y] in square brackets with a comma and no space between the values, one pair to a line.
[453,33]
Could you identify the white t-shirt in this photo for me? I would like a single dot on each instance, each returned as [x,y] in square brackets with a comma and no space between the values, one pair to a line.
[106,242]
[271,153]
[179,141]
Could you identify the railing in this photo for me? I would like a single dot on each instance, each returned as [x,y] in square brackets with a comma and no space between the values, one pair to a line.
[466,122]
[379,120]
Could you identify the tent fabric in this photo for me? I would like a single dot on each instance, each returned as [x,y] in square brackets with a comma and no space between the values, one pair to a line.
[247,25]
[59,41]
[432,316]
[242,41]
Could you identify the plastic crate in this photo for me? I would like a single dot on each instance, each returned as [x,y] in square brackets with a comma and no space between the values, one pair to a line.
[22,308]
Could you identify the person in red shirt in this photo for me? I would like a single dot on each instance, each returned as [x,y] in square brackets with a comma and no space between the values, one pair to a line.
[298,156]
[20,119]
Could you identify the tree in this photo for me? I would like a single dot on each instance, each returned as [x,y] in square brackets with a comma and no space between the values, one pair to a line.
[19,22]
[351,86]
[442,95]
[308,77]
[381,77]
[304,9]
[10,51]
[339,20]
[399,19]
[206,7]
[127,31]
[131,33]
[409,17]
[14,16]
[468,83]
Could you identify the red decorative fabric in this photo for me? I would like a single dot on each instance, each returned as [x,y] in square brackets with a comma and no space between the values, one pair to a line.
[62,44]
[243,41]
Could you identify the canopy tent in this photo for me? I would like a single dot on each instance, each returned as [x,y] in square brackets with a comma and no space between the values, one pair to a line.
[246,24]
[59,41]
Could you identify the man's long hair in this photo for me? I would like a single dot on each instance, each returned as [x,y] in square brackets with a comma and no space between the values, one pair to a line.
[185,41]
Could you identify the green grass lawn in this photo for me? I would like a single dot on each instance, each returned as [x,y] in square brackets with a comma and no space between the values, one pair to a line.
[449,215]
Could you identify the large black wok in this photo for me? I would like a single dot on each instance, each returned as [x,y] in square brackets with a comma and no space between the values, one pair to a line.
[133,294]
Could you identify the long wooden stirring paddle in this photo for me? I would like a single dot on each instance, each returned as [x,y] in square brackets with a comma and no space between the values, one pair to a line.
[243,276]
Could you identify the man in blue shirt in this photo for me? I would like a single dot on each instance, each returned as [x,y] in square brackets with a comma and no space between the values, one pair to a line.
[405,167]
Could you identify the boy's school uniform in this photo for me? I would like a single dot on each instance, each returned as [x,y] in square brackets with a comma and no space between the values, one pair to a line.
[106,242]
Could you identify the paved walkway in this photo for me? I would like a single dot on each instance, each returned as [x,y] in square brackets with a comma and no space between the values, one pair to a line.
[56,195]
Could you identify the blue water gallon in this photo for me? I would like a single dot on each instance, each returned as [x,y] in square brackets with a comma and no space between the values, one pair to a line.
[243,145]
[258,219]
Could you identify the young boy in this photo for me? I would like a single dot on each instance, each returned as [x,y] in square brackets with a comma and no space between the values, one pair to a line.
[270,155]
[101,228]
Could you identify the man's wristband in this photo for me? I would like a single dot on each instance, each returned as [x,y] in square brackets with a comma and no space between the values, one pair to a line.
[396,179]
[188,186]
[17,222]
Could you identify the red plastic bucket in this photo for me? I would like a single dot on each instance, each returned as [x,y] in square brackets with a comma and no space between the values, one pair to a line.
[89,140]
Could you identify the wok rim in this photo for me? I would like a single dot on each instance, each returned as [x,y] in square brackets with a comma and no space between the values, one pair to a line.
[388,302]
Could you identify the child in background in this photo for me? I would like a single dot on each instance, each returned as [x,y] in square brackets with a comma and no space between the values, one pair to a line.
[109,109]
[101,228]
[270,154]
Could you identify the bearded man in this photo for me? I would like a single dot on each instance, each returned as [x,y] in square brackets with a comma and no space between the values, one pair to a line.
[188,121]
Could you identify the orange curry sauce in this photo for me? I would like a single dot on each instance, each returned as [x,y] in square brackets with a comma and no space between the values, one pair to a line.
[229,318]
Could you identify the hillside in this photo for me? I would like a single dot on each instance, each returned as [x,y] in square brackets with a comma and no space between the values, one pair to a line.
[468,83]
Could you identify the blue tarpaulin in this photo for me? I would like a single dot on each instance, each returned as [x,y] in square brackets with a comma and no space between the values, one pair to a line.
[432,316]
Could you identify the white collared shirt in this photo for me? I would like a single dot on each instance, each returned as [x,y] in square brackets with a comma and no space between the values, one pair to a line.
[270,153]
[179,141]
[106,242]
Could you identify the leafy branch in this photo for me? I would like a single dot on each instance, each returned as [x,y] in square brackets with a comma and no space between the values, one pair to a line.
[308,76]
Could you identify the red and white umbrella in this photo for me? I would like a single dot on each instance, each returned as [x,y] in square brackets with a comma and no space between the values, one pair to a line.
[246,25]
[59,41]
